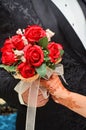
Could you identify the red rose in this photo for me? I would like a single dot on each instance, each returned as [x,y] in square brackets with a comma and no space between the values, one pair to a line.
[8,57]
[18,42]
[34,55]
[54,51]
[25,70]
[34,33]
[7,46]
[59,46]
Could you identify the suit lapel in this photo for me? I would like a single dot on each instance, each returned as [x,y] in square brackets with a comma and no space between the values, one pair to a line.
[49,16]
[83,6]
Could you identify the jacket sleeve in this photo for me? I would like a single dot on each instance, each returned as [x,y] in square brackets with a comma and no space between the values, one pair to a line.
[7,92]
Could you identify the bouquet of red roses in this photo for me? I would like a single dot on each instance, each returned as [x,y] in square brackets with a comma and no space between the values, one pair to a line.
[30,55]
[30,52]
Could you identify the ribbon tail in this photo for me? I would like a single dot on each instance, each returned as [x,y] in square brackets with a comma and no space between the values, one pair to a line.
[32,104]
[64,79]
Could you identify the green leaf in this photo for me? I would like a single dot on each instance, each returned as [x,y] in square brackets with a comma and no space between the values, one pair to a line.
[8,68]
[41,70]
[43,42]
[46,59]
[62,52]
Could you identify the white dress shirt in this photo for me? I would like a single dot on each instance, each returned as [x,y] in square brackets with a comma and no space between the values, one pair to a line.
[74,14]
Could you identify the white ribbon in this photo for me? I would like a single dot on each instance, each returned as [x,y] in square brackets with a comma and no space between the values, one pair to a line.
[32,103]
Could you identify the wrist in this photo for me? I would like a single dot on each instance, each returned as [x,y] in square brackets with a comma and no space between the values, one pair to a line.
[61,92]
[63,97]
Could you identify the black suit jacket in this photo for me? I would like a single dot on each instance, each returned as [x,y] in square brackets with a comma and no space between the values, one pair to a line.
[18,14]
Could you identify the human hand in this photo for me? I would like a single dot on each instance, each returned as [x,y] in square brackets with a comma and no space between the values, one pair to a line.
[41,101]
[55,87]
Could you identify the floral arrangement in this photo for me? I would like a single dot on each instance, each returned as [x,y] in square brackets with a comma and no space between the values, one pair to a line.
[30,52]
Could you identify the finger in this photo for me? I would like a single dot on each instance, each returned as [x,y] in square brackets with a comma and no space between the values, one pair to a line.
[45,83]
[41,96]
[55,99]
[42,102]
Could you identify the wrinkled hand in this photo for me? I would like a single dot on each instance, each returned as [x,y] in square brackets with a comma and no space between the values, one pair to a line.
[41,101]
[55,87]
